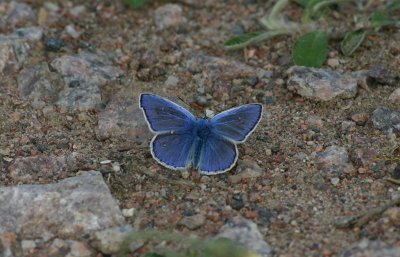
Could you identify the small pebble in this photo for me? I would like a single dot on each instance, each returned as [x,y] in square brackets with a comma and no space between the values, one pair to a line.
[105,162]
[360,118]
[333,62]
[185,174]
[171,81]
[335,181]
[128,212]
[53,44]
[395,96]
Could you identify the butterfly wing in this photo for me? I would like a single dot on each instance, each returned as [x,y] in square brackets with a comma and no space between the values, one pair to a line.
[238,123]
[173,150]
[217,155]
[163,115]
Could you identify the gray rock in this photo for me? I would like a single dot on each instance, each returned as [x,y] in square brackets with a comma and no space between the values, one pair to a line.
[17,14]
[28,34]
[321,84]
[38,83]
[83,75]
[87,67]
[43,168]
[371,248]
[108,241]
[73,207]
[334,161]
[82,96]
[249,169]
[381,74]
[171,81]
[246,233]
[193,222]
[122,119]
[168,15]
[222,69]
[15,48]
[386,120]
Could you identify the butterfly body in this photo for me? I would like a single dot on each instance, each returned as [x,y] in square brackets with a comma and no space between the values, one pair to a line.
[182,141]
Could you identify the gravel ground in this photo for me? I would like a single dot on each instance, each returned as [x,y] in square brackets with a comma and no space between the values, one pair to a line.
[70,77]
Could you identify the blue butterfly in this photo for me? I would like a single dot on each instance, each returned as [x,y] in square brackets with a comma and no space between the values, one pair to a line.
[182,141]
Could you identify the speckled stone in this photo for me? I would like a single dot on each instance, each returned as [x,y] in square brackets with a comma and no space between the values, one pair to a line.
[73,207]
[321,84]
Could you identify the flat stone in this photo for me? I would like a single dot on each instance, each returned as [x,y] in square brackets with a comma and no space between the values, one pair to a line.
[249,169]
[381,74]
[371,248]
[168,15]
[40,168]
[216,68]
[83,75]
[38,83]
[82,96]
[122,119]
[321,84]
[334,161]
[73,207]
[245,233]
[16,47]
[88,67]
[386,120]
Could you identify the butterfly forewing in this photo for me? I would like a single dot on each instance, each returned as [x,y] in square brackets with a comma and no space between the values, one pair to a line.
[163,115]
[173,150]
[217,155]
[238,123]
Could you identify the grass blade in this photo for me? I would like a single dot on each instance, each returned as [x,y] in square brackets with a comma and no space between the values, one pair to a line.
[352,40]
[251,38]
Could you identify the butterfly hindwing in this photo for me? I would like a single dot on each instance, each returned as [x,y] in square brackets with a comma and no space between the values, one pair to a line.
[238,123]
[163,115]
[173,150]
[217,155]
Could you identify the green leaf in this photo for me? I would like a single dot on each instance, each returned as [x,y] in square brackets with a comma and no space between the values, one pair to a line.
[251,38]
[352,40]
[311,49]
[394,5]
[380,19]
[135,3]
[302,2]
[308,11]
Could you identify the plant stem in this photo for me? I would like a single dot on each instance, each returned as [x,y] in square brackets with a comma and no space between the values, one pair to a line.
[277,8]
[320,5]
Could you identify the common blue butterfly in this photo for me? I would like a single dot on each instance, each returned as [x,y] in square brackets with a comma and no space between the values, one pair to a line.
[182,141]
